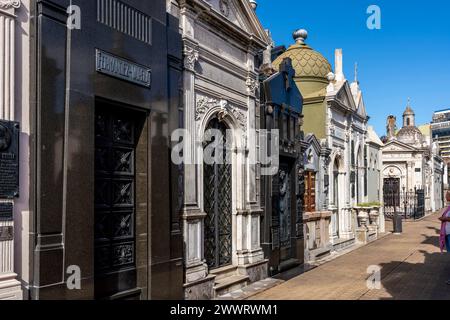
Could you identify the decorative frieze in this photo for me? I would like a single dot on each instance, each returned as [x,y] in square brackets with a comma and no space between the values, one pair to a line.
[205,103]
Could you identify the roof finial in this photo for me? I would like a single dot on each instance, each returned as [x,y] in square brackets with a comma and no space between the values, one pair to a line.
[300,36]
[409,102]
[356,72]
[253,4]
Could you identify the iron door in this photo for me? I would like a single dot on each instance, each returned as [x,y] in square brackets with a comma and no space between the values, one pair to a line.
[286,211]
[391,191]
[115,147]
[218,205]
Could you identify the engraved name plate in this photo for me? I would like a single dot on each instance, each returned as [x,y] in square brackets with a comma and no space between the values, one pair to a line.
[9,159]
[120,68]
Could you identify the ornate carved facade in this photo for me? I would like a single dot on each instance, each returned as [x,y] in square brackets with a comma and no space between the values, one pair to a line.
[335,113]
[283,193]
[221,218]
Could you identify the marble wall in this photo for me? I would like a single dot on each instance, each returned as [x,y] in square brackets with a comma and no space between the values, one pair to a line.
[13,107]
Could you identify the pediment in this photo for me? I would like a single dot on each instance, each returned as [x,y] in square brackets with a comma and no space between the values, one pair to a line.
[312,141]
[241,14]
[396,146]
[345,97]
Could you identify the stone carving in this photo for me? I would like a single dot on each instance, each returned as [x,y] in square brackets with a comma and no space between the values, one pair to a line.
[347,135]
[191,56]
[332,129]
[7,4]
[205,103]
[241,117]
[224,7]
[252,85]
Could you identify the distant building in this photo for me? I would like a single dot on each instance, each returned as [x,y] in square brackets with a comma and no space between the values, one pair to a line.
[412,164]
[440,132]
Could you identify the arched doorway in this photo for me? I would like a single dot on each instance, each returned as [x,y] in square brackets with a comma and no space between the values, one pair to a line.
[217,182]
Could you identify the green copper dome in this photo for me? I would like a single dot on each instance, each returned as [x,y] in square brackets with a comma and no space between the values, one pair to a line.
[311,68]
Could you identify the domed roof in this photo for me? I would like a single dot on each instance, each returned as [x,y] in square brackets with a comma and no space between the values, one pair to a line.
[410,135]
[406,131]
[309,65]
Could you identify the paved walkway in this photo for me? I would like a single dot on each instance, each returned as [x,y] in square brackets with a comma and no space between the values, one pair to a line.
[411,264]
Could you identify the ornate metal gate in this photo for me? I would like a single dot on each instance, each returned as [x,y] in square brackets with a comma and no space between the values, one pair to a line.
[218,206]
[408,204]
[115,144]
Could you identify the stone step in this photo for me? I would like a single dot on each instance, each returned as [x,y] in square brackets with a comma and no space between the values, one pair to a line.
[224,272]
[230,284]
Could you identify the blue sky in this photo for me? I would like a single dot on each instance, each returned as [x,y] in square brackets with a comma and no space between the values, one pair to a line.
[408,57]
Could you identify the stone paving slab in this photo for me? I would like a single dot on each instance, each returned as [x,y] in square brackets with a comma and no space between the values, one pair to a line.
[411,264]
[251,289]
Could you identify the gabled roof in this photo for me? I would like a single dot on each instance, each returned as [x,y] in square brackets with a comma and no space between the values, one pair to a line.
[312,140]
[241,14]
[372,137]
[344,96]
[360,105]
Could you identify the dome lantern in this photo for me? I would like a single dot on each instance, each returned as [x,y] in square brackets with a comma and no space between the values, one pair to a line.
[300,36]
[409,116]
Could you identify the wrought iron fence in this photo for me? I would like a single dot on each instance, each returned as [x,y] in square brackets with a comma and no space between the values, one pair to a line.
[407,204]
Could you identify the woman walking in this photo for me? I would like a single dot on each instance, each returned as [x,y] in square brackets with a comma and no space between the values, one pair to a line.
[445,228]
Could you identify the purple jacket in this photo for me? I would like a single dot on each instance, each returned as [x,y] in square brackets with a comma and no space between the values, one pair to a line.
[443,229]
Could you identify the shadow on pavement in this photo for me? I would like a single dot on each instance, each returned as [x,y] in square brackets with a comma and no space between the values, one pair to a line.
[424,280]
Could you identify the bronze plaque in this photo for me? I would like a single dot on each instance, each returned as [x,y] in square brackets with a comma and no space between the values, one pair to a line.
[9,159]
[6,233]
[6,212]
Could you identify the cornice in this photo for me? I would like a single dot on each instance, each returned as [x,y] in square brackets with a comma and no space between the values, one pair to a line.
[203,11]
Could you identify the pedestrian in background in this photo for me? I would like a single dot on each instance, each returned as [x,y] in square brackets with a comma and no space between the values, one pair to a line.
[445,228]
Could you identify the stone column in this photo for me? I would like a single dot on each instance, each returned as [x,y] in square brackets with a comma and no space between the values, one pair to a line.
[10,288]
[193,216]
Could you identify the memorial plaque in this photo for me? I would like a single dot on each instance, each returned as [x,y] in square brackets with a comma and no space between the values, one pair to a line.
[6,233]
[6,212]
[9,159]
